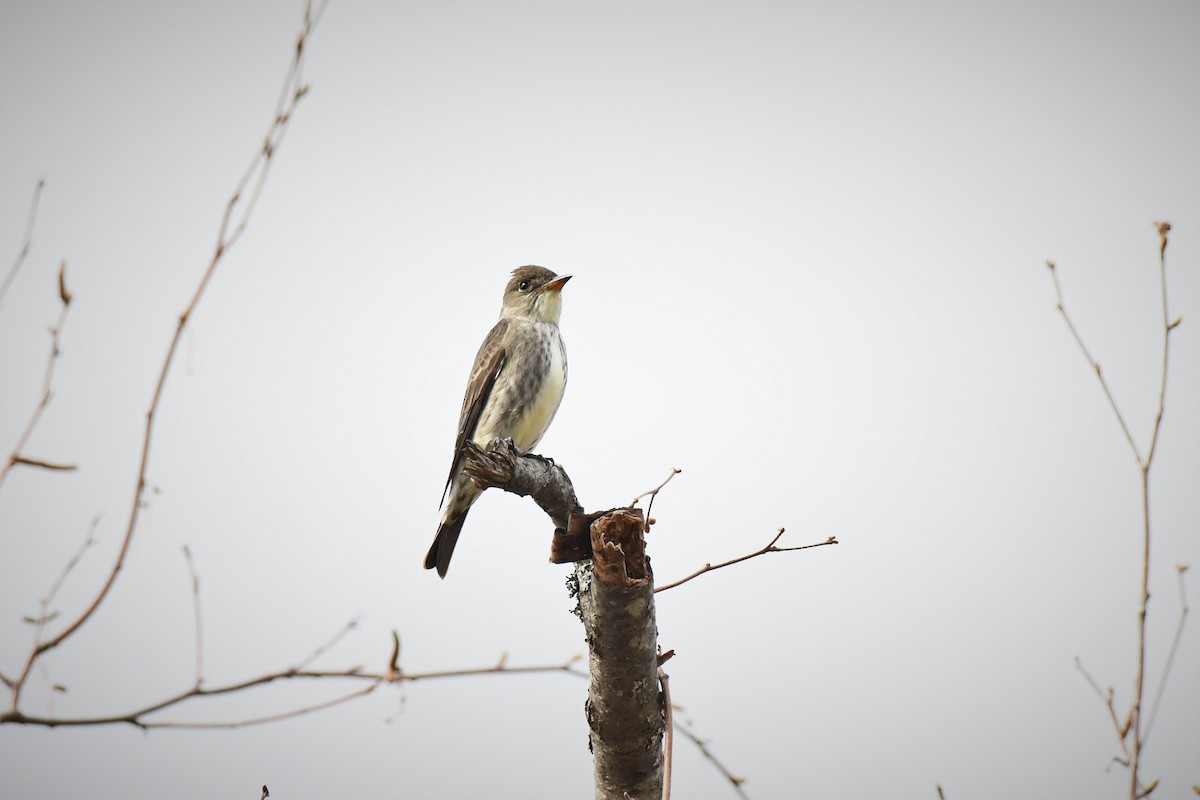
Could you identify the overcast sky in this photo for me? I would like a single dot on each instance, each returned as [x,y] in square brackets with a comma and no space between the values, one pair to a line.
[808,242]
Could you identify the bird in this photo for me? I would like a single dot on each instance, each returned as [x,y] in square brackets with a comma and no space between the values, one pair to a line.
[515,388]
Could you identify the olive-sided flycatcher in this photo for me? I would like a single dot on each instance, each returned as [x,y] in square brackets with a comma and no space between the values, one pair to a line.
[516,385]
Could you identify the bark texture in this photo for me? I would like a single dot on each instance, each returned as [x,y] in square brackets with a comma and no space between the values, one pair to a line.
[624,708]
[616,603]
[502,466]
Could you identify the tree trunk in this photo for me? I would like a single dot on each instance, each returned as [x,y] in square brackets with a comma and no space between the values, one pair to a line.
[616,603]
[624,707]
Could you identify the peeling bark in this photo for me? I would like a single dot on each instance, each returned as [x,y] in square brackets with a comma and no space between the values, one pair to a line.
[624,708]
[615,587]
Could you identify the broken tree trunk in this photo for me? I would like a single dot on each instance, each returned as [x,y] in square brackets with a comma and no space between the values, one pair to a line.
[624,707]
[616,604]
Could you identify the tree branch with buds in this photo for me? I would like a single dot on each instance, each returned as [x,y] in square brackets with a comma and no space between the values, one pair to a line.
[1133,728]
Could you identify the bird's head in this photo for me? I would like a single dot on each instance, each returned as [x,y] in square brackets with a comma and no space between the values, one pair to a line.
[534,293]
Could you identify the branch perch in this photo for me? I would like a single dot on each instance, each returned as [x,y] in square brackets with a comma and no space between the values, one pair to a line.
[502,466]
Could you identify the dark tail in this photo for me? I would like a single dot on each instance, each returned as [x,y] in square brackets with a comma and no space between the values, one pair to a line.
[443,544]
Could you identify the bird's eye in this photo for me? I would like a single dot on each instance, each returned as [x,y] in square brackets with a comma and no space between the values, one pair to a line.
[524,286]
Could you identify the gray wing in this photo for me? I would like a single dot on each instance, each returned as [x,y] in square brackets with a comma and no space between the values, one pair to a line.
[489,361]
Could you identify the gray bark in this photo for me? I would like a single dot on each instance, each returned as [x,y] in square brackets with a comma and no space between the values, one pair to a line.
[616,604]
[624,707]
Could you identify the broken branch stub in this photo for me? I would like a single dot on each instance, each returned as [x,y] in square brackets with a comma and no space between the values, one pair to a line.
[624,708]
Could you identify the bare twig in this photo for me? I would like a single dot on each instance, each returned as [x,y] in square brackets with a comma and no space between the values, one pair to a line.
[45,614]
[1134,721]
[1062,309]
[233,223]
[734,781]
[191,565]
[769,548]
[373,680]
[323,649]
[1180,569]
[1135,790]
[26,242]
[50,465]
[393,669]
[1122,730]
[1163,229]
[499,667]
[47,389]
[263,720]
[653,493]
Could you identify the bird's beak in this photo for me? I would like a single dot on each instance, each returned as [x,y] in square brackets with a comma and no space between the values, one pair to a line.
[557,284]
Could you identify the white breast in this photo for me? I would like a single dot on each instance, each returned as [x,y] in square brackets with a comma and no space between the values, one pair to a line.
[497,420]
[532,427]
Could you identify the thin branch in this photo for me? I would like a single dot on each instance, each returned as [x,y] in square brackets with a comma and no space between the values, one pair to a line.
[1135,790]
[47,386]
[191,565]
[1163,228]
[769,548]
[293,90]
[674,471]
[1139,678]
[1062,309]
[26,242]
[50,465]
[653,493]
[1107,698]
[45,615]
[1134,722]
[500,667]
[247,723]
[1180,569]
[137,718]
[393,669]
[333,640]
[734,781]
[48,600]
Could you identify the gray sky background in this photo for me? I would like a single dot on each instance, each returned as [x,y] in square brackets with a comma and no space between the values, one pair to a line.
[808,242]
